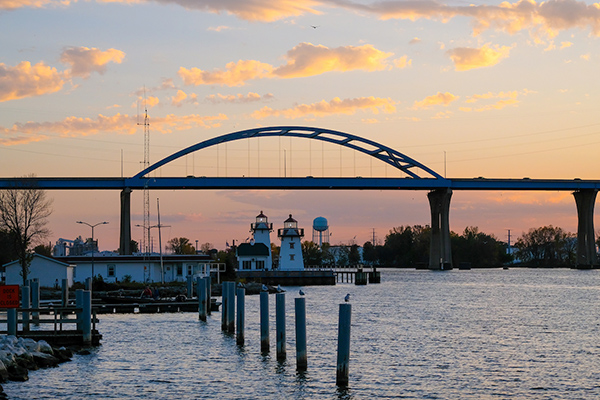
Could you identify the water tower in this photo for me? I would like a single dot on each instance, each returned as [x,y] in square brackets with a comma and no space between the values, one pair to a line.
[320,231]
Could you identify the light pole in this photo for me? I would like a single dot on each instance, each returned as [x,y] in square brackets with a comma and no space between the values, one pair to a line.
[92,226]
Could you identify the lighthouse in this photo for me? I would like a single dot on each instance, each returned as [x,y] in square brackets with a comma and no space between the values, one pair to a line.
[290,253]
[261,233]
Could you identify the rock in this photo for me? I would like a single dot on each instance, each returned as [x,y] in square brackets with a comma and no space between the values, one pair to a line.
[63,354]
[45,347]
[44,360]
[3,373]
[26,361]
[3,395]
[17,373]
[84,352]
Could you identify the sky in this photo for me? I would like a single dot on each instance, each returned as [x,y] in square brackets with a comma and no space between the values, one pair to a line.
[483,89]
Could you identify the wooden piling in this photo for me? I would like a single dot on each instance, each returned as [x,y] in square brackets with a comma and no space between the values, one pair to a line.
[35,300]
[280,325]
[300,309]
[208,282]
[86,317]
[224,307]
[264,322]
[201,285]
[11,321]
[65,293]
[25,304]
[343,350]
[231,308]
[241,305]
[190,286]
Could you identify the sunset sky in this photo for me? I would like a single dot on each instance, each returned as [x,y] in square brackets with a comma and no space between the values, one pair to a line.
[489,88]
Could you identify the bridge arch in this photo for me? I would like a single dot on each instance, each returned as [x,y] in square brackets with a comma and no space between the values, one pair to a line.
[383,153]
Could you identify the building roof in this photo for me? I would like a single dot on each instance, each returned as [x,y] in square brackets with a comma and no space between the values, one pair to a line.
[39,256]
[252,249]
[290,219]
[138,258]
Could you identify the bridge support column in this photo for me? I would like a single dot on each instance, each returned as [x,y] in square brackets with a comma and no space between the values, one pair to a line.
[440,253]
[125,237]
[586,243]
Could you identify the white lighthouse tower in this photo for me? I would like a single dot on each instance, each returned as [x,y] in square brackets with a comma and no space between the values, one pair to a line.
[261,233]
[290,253]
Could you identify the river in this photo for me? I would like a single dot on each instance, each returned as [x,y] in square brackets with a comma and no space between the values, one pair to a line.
[476,334]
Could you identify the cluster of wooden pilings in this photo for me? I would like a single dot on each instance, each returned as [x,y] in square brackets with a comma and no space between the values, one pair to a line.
[233,317]
[32,314]
[358,274]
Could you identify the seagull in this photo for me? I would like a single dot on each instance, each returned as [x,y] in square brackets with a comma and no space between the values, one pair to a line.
[240,285]
[279,289]
[264,288]
[314,26]
[347,298]
[300,292]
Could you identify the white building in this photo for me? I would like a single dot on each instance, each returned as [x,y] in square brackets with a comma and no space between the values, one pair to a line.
[253,256]
[261,233]
[49,271]
[141,268]
[290,252]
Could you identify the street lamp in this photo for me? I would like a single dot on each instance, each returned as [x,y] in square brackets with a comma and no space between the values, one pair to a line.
[92,226]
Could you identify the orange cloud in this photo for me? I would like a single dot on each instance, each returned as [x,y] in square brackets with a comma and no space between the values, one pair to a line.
[335,106]
[119,123]
[239,98]
[466,58]
[402,62]
[540,19]
[85,60]
[26,80]
[235,74]
[14,4]
[182,97]
[307,59]
[505,99]
[303,60]
[437,99]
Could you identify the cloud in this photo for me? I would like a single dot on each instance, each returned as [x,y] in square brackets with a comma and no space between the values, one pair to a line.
[437,99]
[249,10]
[218,28]
[415,40]
[85,60]
[14,4]
[503,99]
[239,98]
[402,62]
[182,97]
[235,74]
[466,58]
[540,19]
[26,80]
[307,59]
[335,106]
[21,133]
[303,60]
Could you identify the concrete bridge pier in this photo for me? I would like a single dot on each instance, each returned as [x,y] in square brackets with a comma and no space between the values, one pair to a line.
[125,229]
[440,253]
[586,243]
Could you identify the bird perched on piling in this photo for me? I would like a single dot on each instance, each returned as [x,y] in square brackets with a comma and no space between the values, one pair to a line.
[264,288]
[347,298]
[300,292]
[279,289]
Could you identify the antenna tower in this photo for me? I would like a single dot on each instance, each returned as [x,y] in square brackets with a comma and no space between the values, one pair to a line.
[146,237]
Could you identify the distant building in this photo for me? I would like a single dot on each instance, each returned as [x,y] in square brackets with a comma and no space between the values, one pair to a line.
[253,256]
[48,270]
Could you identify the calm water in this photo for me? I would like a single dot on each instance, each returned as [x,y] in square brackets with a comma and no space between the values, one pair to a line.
[498,334]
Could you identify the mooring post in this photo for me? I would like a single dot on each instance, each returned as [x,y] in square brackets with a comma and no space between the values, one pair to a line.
[224,307]
[25,305]
[264,321]
[201,285]
[65,293]
[241,315]
[11,321]
[86,317]
[208,282]
[35,300]
[280,325]
[343,350]
[79,304]
[300,308]
[231,308]
[190,286]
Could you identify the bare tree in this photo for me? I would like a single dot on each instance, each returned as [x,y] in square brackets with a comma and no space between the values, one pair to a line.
[24,212]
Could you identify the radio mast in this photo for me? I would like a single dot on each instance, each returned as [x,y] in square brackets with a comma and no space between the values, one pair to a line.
[145,247]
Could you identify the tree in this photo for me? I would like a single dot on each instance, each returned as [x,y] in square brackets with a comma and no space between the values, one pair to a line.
[311,253]
[7,252]
[181,245]
[43,249]
[24,213]
[206,247]
[478,248]
[547,247]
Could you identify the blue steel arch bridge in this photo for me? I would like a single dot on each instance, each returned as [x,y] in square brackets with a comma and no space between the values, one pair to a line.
[416,176]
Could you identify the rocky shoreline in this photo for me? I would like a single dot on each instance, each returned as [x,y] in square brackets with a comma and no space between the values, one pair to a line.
[18,356]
